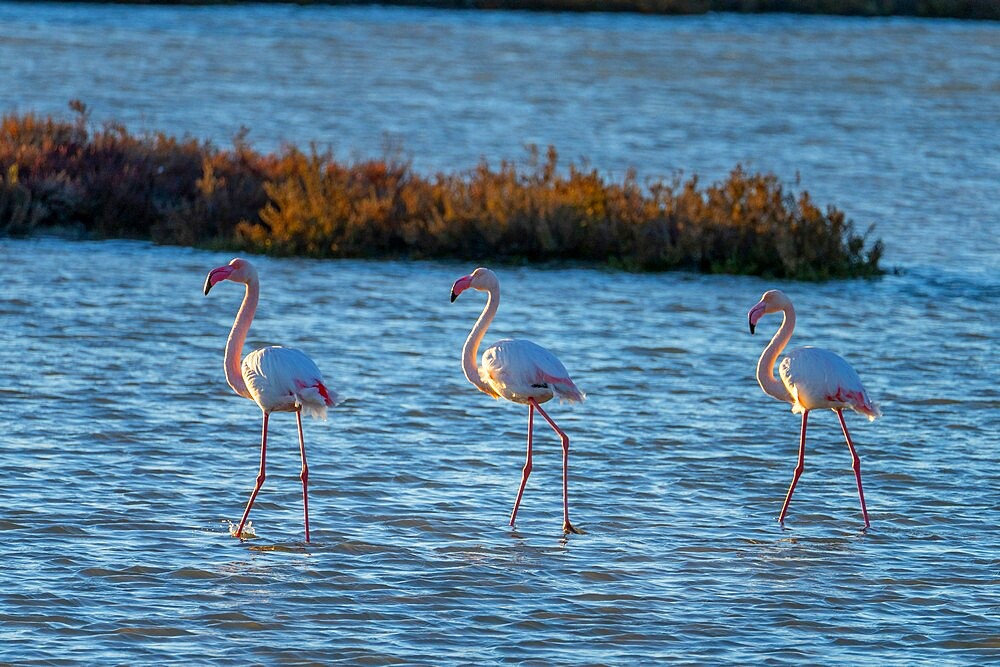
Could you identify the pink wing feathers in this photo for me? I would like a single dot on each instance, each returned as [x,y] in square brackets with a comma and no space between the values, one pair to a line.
[520,369]
[282,379]
[818,378]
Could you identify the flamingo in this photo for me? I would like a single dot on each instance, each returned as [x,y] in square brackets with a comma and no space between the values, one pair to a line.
[277,379]
[520,371]
[811,378]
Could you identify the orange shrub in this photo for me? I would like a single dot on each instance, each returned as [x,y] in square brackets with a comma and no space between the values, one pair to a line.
[111,183]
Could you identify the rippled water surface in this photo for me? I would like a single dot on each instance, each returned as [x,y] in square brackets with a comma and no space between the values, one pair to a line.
[124,455]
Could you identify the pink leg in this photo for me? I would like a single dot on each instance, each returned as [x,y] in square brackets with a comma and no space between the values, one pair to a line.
[260,477]
[567,526]
[304,475]
[798,469]
[527,464]
[856,464]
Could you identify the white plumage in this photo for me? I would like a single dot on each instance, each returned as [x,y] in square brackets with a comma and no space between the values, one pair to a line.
[818,378]
[277,379]
[282,379]
[520,370]
[810,378]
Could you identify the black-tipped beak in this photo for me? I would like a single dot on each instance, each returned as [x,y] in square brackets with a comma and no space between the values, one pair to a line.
[224,271]
[755,314]
[460,286]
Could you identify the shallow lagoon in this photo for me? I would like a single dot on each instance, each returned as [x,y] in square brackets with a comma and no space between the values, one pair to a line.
[125,454]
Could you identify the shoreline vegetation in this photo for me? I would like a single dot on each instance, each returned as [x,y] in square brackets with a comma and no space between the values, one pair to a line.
[958,9]
[105,182]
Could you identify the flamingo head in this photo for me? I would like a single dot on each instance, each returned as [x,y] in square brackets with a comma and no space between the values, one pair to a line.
[773,301]
[238,270]
[481,279]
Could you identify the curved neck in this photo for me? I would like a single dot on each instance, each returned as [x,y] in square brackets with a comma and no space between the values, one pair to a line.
[237,336]
[470,352]
[765,365]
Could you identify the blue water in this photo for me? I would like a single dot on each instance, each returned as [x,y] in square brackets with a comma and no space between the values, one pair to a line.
[125,455]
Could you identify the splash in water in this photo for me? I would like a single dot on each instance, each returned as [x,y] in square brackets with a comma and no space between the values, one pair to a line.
[248,532]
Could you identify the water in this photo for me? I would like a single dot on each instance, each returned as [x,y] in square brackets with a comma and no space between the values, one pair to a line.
[125,455]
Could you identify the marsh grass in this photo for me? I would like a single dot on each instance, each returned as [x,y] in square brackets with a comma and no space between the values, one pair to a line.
[969,9]
[59,174]
[960,9]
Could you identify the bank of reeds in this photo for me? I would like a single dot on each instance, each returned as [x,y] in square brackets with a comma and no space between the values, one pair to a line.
[958,9]
[963,9]
[109,183]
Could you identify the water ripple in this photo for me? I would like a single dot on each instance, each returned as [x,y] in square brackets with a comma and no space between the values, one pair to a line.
[125,457]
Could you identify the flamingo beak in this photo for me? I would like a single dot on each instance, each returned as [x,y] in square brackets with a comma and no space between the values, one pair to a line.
[217,276]
[460,286]
[754,315]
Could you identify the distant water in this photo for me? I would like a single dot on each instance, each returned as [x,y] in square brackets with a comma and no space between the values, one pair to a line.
[124,454]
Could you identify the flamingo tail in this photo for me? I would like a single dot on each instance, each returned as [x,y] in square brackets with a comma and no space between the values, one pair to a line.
[566,390]
[315,399]
[870,410]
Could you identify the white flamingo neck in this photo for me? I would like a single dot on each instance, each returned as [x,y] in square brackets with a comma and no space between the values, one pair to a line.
[765,365]
[470,352]
[237,336]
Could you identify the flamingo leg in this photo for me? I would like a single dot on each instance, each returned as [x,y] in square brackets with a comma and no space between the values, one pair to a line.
[567,526]
[304,474]
[527,464]
[798,469]
[260,477]
[856,465]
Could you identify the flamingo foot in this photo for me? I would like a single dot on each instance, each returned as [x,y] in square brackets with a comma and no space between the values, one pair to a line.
[247,533]
[569,528]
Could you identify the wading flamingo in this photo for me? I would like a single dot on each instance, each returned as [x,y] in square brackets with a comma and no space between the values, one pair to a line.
[811,378]
[519,371]
[278,379]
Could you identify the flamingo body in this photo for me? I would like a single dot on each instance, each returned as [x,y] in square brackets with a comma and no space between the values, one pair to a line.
[817,378]
[282,379]
[521,371]
[277,379]
[810,378]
